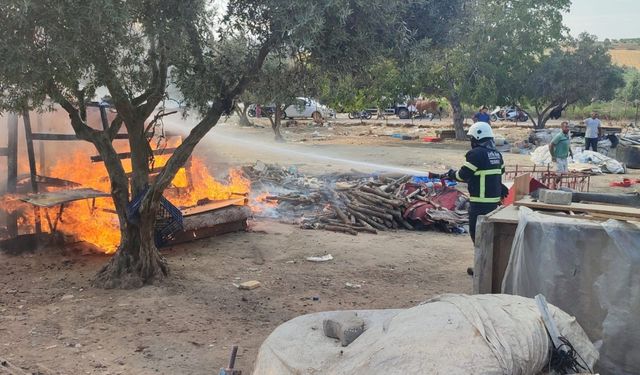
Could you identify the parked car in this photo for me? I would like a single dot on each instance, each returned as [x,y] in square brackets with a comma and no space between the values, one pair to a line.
[309,108]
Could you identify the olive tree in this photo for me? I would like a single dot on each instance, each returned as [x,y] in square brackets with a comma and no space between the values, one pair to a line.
[576,71]
[60,51]
[488,52]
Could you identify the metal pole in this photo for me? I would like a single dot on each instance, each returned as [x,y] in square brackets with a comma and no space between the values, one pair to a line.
[32,166]
[12,169]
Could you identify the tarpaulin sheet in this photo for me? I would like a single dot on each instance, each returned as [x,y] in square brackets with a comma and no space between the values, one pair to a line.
[590,270]
[450,334]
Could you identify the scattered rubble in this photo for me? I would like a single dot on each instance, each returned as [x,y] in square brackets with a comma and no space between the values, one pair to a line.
[344,326]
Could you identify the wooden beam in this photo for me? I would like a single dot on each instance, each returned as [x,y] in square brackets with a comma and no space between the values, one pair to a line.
[32,165]
[12,169]
[628,212]
[127,155]
[41,150]
[521,185]
[483,256]
[66,137]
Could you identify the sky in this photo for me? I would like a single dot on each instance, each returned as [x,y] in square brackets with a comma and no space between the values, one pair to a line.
[613,19]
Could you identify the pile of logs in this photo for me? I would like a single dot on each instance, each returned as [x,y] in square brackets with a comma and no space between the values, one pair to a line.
[369,207]
[346,203]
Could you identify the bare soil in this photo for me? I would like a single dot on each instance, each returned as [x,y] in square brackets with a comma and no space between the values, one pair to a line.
[53,322]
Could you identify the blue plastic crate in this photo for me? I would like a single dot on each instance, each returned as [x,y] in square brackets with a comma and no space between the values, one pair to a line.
[168,218]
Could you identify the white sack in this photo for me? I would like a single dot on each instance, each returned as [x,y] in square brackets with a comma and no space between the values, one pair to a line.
[450,334]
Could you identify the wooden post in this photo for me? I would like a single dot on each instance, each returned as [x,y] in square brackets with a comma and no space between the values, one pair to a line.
[103,116]
[521,186]
[32,165]
[41,154]
[12,169]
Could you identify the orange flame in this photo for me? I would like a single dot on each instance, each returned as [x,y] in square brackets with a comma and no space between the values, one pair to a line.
[260,203]
[98,224]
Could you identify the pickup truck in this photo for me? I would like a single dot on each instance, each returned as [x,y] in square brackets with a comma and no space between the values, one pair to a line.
[399,109]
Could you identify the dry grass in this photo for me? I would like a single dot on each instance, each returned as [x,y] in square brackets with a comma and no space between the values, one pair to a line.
[626,57]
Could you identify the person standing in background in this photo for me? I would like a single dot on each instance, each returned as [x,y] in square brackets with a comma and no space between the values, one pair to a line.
[593,132]
[482,115]
[560,149]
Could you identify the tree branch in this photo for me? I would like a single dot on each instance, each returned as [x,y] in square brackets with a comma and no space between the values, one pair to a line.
[82,130]
[184,150]
[114,128]
[158,83]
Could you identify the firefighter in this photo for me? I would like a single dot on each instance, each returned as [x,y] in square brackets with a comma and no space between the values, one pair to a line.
[482,171]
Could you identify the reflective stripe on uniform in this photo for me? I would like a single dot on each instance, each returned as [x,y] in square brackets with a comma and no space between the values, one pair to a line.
[458,176]
[470,166]
[483,174]
[484,200]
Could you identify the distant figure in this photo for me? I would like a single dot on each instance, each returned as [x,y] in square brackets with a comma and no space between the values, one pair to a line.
[440,109]
[593,132]
[412,109]
[560,149]
[258,111]
[482,115]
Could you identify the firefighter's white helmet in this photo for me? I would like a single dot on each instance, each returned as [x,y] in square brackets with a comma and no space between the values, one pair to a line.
[480,130]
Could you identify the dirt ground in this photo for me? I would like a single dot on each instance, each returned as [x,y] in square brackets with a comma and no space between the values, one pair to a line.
[53,322]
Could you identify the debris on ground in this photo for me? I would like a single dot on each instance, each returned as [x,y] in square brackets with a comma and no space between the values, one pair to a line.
[354,203]
[324,258]
[249,285]
[582,161]
[626,182]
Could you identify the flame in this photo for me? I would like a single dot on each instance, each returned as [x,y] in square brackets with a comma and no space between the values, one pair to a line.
[98,224]
[260,203]
[202,185]
[95,224]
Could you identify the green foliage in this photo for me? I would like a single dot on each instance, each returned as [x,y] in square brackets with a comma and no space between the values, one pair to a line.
[631,91]
[578,71]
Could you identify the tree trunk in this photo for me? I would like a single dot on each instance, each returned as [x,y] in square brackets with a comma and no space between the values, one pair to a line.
[276,123]
[542,121]
[137,261]
[458,117]
[242,114]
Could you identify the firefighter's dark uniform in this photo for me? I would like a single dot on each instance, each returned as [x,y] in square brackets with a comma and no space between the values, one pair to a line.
[483,172]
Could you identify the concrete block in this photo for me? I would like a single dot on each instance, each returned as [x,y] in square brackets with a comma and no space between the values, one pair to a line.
[344,326]
[555,196]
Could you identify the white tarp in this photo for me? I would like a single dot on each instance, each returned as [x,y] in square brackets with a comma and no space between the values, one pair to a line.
[590,270]
[450,334]
[601,163]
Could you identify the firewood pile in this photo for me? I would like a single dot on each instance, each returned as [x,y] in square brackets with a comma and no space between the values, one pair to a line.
[355,203]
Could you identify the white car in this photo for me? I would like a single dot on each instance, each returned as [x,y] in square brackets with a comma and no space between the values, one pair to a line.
[309,108]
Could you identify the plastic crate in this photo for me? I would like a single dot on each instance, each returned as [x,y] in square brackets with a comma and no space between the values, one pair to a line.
[168,218]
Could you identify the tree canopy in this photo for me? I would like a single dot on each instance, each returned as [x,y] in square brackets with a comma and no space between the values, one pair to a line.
[576,71]
[489,53]
[61,51]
